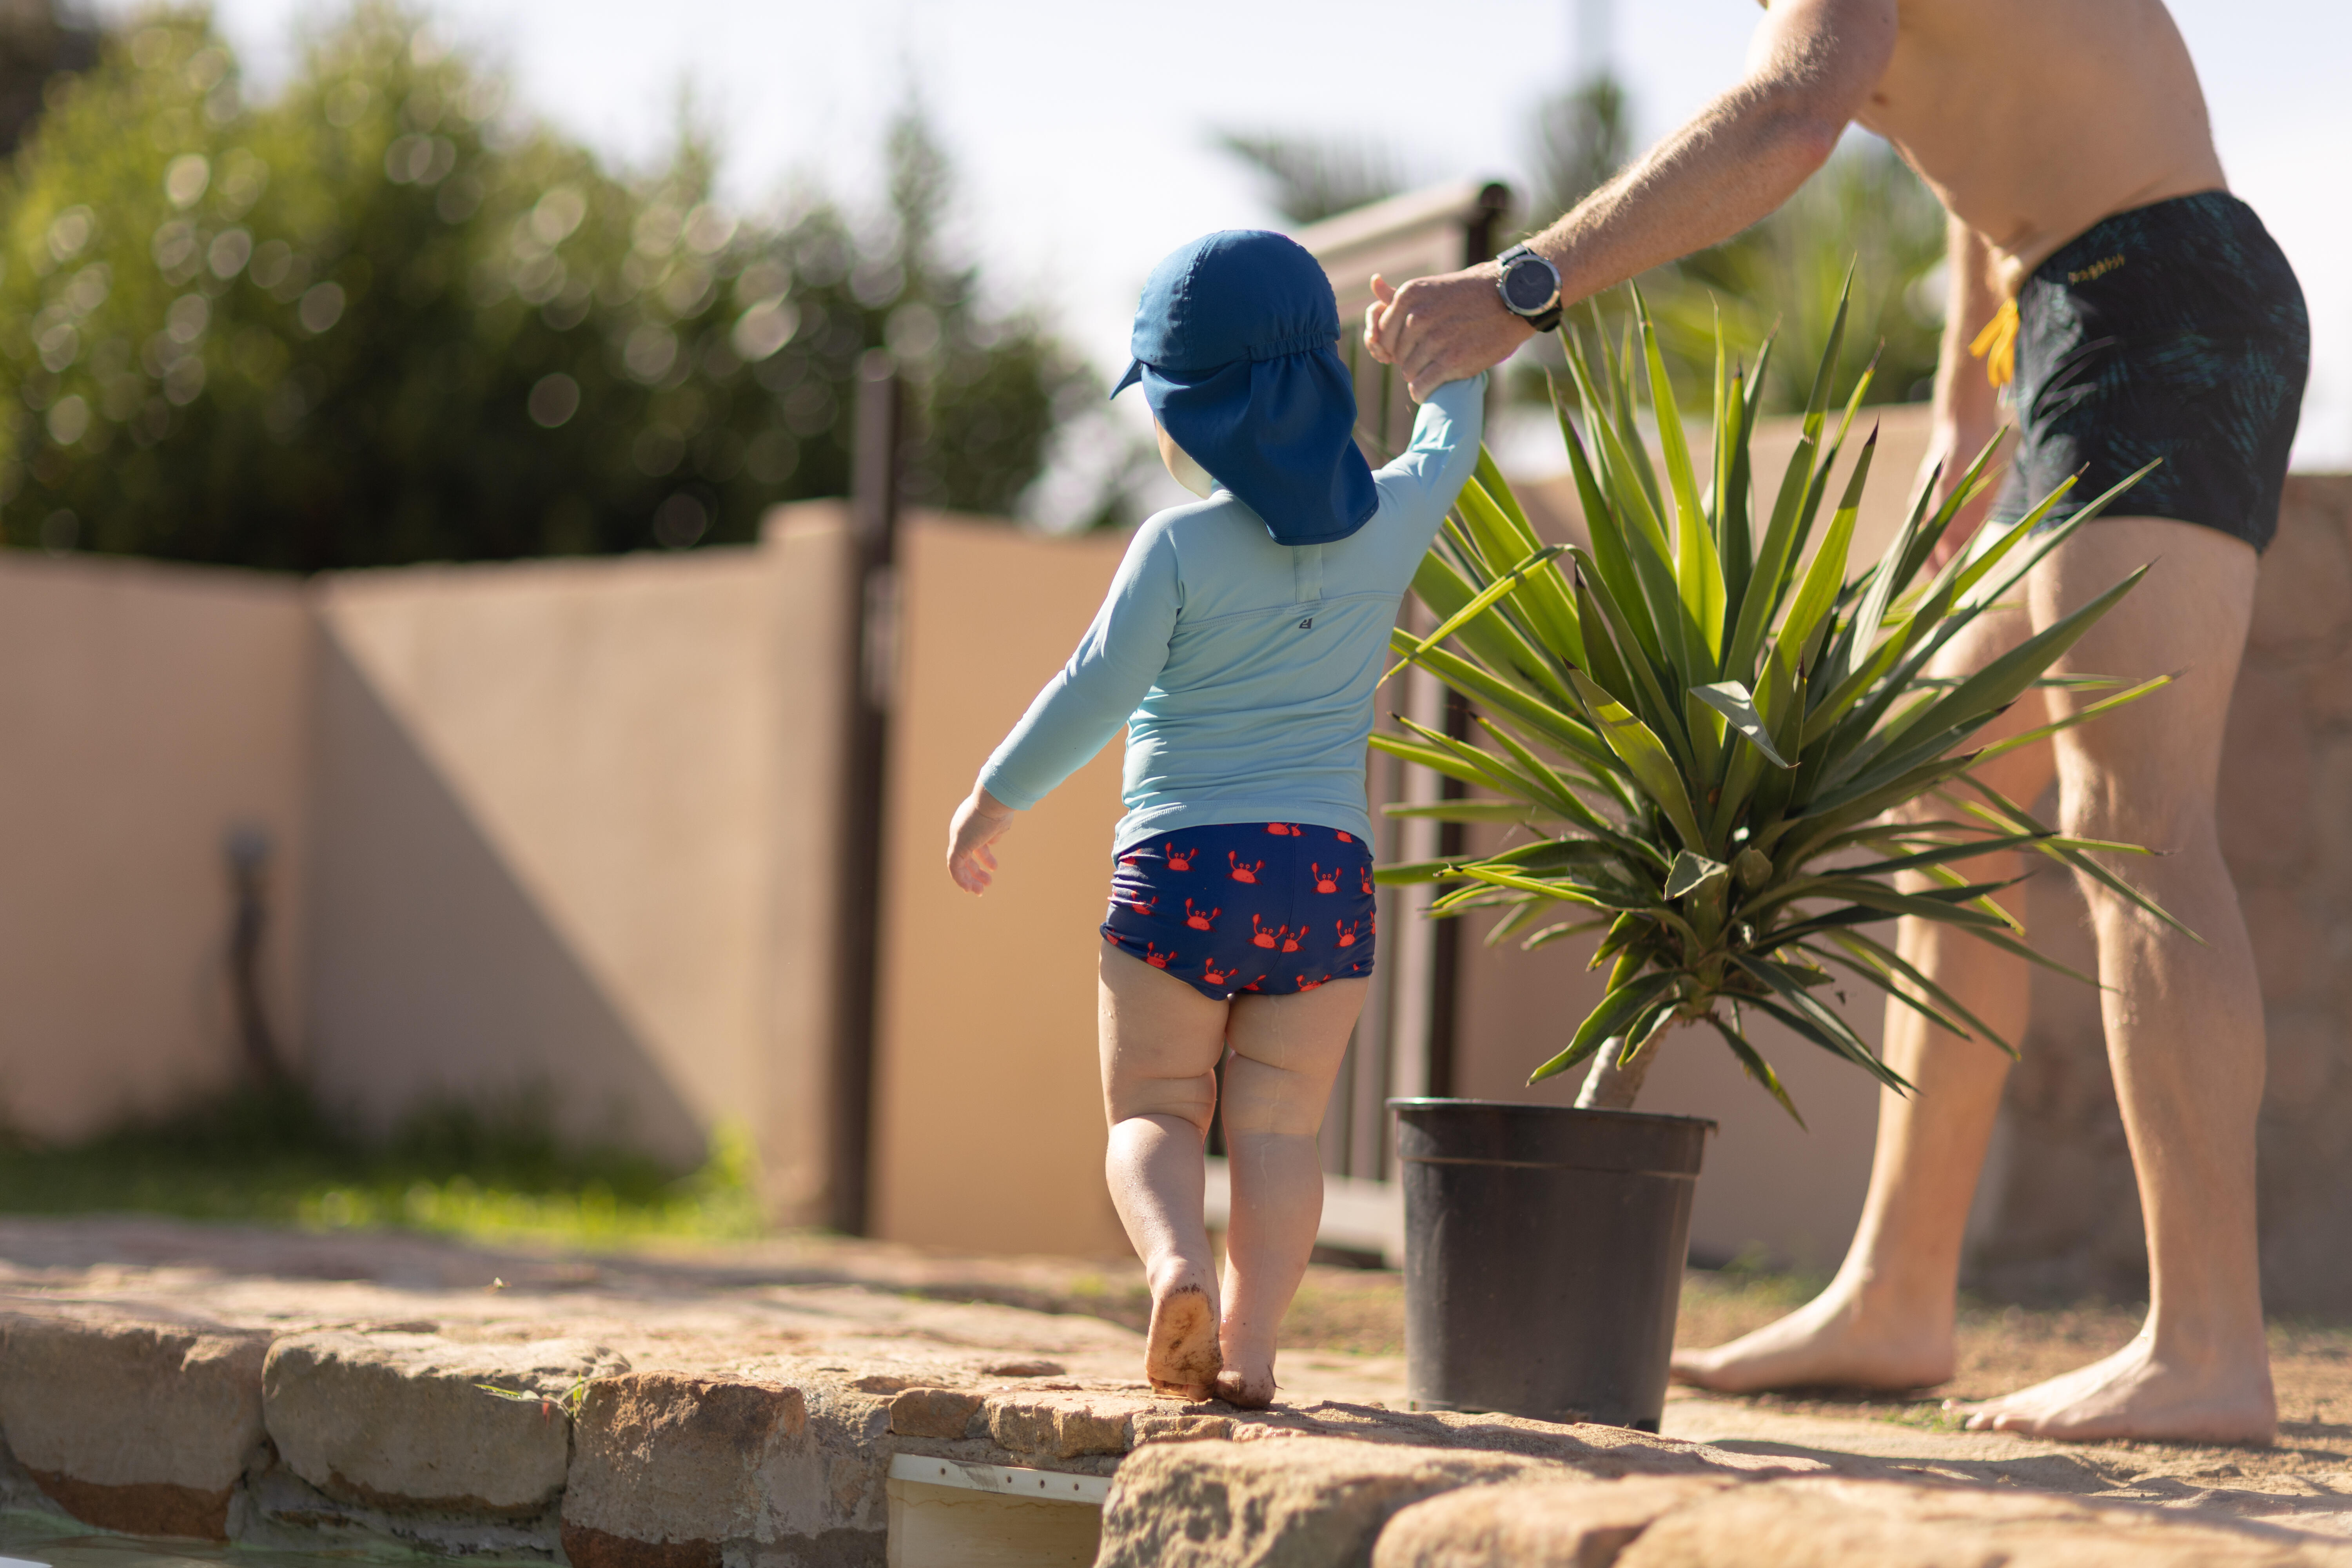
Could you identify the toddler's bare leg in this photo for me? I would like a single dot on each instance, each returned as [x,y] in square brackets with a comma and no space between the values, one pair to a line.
[1287,1051]
[1160,1040]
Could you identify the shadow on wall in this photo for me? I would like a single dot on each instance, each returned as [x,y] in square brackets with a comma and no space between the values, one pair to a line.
[432,965]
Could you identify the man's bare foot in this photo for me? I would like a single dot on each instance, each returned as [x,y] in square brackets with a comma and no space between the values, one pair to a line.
[1245,1392]
[1181,1354]
[1828,1342]
[2135,1393]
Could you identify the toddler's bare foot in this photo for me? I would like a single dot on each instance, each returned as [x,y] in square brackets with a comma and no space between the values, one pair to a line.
[1828,1342]
[2136,1393]
[1245,1392]
[1180,1356]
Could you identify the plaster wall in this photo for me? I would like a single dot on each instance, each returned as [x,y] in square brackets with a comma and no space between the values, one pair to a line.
[546,797]
[149,712]
[988,1118]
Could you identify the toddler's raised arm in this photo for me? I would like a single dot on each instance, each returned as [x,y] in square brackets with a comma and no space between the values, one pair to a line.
[1421,482]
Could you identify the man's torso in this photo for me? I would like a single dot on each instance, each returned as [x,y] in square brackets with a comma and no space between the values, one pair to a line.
[2034,119]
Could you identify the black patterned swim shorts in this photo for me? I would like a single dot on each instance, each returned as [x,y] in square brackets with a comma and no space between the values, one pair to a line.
[2175,331]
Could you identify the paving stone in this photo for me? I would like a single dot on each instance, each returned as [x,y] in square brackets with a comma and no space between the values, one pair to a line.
[1815,1522]
[1535,1524]
[665,1460]
[1068,1424]
[407,1422]
[675,1471]
[144,1428]
[933,1412]
[1290,1502]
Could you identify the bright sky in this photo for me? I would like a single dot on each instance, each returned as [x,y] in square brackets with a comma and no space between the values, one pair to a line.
[1083,128]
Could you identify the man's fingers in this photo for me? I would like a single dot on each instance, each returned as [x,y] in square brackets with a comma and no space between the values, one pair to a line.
[1381,290]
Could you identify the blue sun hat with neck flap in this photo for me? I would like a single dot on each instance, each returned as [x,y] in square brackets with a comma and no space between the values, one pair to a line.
[1235,346]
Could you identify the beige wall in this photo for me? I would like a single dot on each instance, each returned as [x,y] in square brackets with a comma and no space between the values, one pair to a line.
[546,801]
[148,711]
[988,1117]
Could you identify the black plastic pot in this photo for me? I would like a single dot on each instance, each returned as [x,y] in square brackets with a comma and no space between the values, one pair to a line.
[1543,1256]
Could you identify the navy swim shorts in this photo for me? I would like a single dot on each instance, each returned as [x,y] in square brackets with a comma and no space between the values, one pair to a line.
[2174,330]
[1275,908]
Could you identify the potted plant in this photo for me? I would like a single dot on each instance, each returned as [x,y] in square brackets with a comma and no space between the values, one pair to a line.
[1702,728]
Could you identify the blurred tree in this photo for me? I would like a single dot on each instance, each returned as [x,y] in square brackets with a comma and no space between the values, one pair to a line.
[381,320]
[1309,180]
[38,42]
[1864,208]
[1583,137]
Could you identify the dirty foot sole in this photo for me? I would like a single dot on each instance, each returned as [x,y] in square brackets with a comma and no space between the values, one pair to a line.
[1181,1358]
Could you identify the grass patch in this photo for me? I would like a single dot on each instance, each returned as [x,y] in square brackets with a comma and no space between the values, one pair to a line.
[500,1172]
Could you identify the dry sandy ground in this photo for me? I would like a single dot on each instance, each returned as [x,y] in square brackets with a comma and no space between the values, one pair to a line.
[1343,1340]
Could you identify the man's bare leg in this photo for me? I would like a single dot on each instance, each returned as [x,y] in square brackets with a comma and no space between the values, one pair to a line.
[2184,1019]
[1886,1320]
[1160,1040]
[1287,1051]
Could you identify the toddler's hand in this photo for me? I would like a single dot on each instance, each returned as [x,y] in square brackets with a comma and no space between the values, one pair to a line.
[979,822]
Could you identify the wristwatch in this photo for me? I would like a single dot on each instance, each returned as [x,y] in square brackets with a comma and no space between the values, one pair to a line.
[1531,287]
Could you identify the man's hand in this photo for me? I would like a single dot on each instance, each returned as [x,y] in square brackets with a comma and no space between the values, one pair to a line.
[979,822]
[1442,329]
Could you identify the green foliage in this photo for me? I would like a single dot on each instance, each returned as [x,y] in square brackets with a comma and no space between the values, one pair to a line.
[272,1154]
[1309,180]
[1705,730]
[1583,137]
[380,319]
[1788,275]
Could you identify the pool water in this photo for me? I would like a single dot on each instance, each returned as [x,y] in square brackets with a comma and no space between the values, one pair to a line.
[44,1540]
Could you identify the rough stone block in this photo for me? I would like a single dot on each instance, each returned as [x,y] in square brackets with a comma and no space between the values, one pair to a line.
[407,1422]
[1840,1523]
[1066,1425]
[673,1471]
[1289,1502]
[141,1427]
[933,1412]
[667,1467]
[1536,1524]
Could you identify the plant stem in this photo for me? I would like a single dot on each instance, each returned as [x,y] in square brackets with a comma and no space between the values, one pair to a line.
[1608,1087]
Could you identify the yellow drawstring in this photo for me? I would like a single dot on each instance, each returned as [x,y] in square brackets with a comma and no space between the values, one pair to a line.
[1997,345]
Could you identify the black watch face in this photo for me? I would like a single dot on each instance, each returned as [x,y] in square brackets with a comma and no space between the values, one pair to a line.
[1528,285]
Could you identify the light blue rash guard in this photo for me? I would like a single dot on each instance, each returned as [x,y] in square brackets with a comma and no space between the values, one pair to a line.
[1244,669]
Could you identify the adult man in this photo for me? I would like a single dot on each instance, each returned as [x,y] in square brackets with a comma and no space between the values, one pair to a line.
[2068,140]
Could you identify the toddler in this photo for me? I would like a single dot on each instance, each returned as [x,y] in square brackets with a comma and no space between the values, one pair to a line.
[1240,646]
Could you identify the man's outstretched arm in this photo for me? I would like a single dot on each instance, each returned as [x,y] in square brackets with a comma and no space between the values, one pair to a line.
[1811,66]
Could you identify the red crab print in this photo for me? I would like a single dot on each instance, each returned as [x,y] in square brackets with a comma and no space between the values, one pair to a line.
[1199,919]
[1306,985]
[1154,957]
[1347,932]
[1211,976]
[1179,859]
[1290,943]
[1281,829]
[1141,907]
[1367,881]
[1243,873]
[1130,859]
[1344,838]
[1262,937]
[1325,881]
